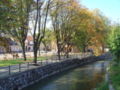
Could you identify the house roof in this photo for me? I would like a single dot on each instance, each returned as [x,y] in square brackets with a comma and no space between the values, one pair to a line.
[29,38]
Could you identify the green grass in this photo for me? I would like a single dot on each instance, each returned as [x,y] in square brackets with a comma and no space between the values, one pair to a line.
[103,86]
[19,61]
[115,76]
[10,62]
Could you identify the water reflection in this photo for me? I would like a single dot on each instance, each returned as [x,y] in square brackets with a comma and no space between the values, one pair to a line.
[82,78]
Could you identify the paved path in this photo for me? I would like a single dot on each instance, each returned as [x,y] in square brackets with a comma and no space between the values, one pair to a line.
[10,70]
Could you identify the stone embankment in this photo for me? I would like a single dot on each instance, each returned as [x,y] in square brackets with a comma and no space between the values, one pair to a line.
[29,77]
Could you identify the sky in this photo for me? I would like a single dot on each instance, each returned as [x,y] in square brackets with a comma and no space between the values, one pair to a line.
[110,8]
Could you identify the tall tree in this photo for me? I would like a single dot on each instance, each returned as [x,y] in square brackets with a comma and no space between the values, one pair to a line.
[20,25]
[62,15]
[39,18]
[84,29]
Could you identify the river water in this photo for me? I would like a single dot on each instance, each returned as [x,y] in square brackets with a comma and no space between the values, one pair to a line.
[87,77]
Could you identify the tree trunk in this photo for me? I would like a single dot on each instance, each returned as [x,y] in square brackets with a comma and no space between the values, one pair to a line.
[23,51]
[84,49]
[67,53]
[35,56]
[59,57]
[35,51]
[58,47]
[103,49]
[39,51]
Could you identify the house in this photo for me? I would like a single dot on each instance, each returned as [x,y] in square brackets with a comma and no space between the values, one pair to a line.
[12,46]
[29,44]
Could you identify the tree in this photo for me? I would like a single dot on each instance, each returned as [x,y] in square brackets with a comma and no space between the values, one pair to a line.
[4,17]
[68,26]
[91,31]
[101,30]
[4,43]
[18,21]
[62,15]
[4,14]
[84,29]
[39,19]
[114,42]
[56,24]
[49,37]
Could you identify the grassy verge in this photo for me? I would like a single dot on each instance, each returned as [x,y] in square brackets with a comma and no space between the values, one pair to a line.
[18,61]
[115,76]
[103,86]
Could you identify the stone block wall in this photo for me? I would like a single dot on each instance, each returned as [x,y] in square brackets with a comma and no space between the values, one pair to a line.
[26,78]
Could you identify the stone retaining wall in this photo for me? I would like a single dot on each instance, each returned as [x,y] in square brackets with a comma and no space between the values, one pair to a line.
[26,78]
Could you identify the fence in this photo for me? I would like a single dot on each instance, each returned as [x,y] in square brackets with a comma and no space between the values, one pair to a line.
[10,70]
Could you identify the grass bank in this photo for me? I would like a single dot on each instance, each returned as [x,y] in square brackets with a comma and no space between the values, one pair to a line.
[19,61]
[103,86]
[115,76]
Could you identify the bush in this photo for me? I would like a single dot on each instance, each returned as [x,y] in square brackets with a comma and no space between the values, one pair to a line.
[115,76]
[103,86]
[114,43]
